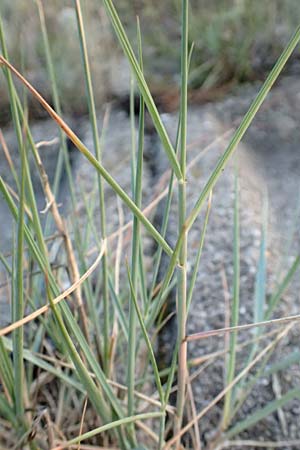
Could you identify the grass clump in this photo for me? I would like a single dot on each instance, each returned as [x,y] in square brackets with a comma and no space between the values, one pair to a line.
[85,341]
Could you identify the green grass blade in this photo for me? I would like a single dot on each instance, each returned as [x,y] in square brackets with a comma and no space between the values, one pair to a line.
[119,309]
[123,39]
[248,385]
[262,413]
[96,140]
[198,256]
[283,364]
[147,339]
[276,296]
[138,185]
[142,276]
[93,391]
[230,369]
[260,282]
[29,356]
[171,373]
[6,369]
[19,298]
[136,231]
[7,412]
[289,244]
[133,132]
[158,302]
[182,204]
[110,426]
[164,227]
[17,114]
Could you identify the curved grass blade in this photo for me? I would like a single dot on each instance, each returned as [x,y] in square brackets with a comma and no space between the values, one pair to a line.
[262,413]
[276,296]
[147,97]
[167,207]
[109,426]
[29,356]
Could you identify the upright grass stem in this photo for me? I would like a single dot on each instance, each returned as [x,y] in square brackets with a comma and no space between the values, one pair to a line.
[18,289]
[93,120]
[234,310]
[63,156]
[137,192]
[182,270]
[167,207]
[19,300]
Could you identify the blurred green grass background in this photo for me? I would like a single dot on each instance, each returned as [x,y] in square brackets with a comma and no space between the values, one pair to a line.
[235,41]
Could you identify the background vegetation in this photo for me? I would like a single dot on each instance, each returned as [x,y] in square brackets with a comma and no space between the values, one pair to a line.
[235,41]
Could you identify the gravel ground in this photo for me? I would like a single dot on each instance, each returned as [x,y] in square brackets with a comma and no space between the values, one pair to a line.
[268,161]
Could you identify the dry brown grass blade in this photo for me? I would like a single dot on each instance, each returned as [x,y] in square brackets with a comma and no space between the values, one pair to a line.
[115,327]
[6,152]
[148,431]
[15,195]
[59,298]
[197,443]
[62,228]
[221,331]
[49,427]
[150,400]
[42,101]
[82,421]
[276,386]
[241,346]
[226,294]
